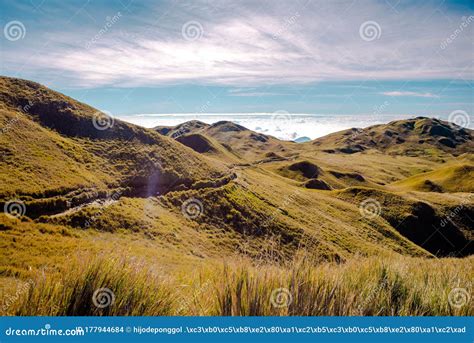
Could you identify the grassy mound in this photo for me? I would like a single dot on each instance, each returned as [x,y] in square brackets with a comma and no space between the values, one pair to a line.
[452,178]
[317,184]
[352,176]
[300,170]
[197,142]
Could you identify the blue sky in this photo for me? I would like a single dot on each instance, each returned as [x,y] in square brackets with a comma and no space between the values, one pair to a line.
[348,57]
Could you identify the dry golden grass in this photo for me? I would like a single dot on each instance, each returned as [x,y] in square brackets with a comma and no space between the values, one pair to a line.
[88,289]
[363,286]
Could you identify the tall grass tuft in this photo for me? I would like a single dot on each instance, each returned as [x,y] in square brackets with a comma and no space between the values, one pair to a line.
[98,288]
[361,287]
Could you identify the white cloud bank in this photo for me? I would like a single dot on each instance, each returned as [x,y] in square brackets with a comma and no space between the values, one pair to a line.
[250,43]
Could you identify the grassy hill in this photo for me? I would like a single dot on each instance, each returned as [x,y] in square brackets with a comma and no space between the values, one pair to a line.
[54,146]
[229,206]
[414,137]
[236,140]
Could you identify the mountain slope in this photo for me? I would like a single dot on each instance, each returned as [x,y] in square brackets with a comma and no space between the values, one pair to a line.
[53,145]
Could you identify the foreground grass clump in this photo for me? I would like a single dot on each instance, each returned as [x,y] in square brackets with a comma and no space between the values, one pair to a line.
[97,288]
[362,286]
[359,287]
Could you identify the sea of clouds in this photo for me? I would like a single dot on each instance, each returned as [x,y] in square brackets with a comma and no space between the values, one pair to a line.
[279,124]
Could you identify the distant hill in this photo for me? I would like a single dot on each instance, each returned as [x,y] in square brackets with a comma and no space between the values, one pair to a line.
[243,143]
[412,137]
[303,139]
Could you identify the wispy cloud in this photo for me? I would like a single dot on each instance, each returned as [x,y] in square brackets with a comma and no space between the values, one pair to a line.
[251,92]
[240,44]
[415,94]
